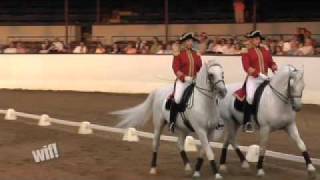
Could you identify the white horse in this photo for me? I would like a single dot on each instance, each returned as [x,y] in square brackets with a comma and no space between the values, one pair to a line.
[278,105]
[203,114]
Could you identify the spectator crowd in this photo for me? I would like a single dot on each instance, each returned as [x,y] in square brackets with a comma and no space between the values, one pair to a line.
[300,44]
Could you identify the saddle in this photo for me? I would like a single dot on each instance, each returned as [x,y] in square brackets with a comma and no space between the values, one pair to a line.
[181,108]
[239,105]
[184,100]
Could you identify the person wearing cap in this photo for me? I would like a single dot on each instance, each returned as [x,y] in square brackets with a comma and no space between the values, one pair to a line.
[256,62]
[185,65]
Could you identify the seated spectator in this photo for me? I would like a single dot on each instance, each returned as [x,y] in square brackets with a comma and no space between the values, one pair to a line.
[176,48]
[139,44]
[237,49]
[11,49]
[155,46]
[130,49]
[44,49]
[229,48]
[278,51]
[21,49]
[100,49]
[204,43]
[145,49]
[57,46]
[300,36]
[115,49]
[286,47]
[161,49]
[81,49]
[219,47]
[307,49]
[168,49]
[294,50]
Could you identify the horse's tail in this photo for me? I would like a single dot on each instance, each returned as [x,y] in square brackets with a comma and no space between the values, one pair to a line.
[136,116]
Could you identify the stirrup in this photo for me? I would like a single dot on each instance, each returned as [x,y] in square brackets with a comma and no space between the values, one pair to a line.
[248,127]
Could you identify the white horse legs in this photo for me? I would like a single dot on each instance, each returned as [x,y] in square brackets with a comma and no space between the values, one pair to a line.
[185,159]
[199,163]
[264,137]
[231,139]
[293,132]
[203,137]
[155,146]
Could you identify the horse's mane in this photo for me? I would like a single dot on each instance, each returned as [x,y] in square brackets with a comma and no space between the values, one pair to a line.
[282,75]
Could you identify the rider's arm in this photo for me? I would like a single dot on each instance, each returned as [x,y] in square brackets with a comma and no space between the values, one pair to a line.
[199,65]
[246,66]
[176,68]
[273,66]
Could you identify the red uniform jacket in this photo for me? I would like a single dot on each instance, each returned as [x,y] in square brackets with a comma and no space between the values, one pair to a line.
[187,63]
[255,61]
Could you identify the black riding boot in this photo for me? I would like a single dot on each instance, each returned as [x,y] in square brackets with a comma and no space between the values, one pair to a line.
[247,112]
[173,116]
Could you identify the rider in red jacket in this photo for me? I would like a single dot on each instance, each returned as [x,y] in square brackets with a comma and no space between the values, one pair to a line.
[185,65]
[256,63]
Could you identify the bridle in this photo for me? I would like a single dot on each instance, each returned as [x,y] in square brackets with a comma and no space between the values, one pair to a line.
[289,98]
[207,92]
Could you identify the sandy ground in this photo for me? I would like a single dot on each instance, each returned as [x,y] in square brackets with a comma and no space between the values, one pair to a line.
[104,156]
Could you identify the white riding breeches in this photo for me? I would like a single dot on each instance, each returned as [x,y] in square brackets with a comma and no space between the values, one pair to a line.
[251,86]
[180,87]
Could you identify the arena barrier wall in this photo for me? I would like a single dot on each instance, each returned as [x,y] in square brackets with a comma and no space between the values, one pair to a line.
[125,73]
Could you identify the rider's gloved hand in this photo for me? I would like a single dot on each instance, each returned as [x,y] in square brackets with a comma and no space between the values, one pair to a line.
[188,79]
[262,76]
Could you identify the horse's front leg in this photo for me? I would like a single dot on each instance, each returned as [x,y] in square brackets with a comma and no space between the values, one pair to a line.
[181,141]
[293,132]
[199,163]
[203,137]
[264,137]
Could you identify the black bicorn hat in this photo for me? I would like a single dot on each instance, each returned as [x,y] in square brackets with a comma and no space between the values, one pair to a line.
[254,34]
[186,36]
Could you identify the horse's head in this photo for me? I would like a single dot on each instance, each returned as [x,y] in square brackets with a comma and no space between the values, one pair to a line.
[295,88]
[216,78]
[290,84]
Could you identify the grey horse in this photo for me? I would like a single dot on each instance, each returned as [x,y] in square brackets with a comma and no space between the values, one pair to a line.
[203,114]
[279,103]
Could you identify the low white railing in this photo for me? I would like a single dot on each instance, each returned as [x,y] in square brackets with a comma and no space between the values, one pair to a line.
[11,114]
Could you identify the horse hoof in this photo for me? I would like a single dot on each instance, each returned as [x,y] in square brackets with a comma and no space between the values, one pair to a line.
[245,165]
[218,176]
[196,174]
[188,168]
[153,171]
[311,168]
[223,168]
[260,173]
[312,172]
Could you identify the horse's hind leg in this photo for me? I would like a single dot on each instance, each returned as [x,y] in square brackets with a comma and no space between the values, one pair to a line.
[181,140]
[155,145]
[264,137]
[293,132]
[231,139]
